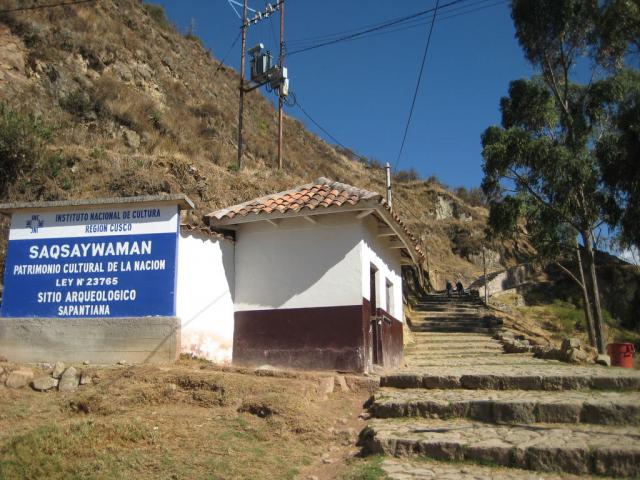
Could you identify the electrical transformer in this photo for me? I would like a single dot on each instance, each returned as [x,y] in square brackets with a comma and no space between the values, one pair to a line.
[260,66]
[262,72]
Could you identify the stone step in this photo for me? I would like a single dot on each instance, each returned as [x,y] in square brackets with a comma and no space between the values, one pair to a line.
[452,299]
[420,337]
[455,329]
[425,469]
[450,337]
[463,362]
[511,406]
[430,355]
[452,323]
[435,342]
[461,321]
[453,318]
[442,310]
[467,359]
[578,449]
[487,344]
[423,350]
[469,312]
[449,307]
[447,317]
[545,375]
[471,309]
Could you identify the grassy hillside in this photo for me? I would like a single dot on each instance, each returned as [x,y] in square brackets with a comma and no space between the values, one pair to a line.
[107,98]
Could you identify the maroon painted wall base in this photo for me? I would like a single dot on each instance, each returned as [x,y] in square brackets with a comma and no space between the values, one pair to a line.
[318,338]
[321,338]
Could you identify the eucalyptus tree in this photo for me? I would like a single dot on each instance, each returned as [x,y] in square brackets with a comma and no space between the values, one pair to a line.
[540,166]
[618,152]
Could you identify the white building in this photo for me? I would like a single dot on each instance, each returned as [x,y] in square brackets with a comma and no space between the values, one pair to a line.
[318,279]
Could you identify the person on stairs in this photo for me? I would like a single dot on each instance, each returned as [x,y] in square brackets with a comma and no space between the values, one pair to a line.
[460,288]
[449,287]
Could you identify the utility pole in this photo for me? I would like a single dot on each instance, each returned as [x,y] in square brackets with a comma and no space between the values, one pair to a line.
[241,107]
[280,89]
[262,73]
[387,169]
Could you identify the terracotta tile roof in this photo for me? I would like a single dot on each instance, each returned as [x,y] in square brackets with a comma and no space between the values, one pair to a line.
[320,194]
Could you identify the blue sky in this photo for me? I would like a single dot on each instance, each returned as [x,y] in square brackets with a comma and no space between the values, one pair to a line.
[361,90]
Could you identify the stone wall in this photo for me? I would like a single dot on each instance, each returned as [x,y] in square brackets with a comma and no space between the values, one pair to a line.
[505,280]
[97,340]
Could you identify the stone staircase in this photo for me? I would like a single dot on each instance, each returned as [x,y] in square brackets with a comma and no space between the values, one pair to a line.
[498,415]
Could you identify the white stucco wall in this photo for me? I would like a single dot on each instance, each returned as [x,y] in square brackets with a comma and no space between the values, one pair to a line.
[375,251]
[297,264]
[204,295]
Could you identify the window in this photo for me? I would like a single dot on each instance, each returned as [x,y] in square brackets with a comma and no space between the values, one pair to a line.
[389,296]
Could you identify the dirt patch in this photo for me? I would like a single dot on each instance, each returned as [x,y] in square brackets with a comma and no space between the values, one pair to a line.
[258,409]
[182,421]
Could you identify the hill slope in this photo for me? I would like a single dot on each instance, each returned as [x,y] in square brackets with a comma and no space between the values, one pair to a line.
[123,104]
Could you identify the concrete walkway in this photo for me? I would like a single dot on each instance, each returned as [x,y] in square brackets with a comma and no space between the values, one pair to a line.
[498,415]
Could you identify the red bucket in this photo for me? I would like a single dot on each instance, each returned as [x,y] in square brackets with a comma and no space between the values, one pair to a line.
[621,354]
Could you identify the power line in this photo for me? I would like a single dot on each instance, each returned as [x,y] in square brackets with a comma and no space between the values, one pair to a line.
[40,7]
[296,103]
[415,93]
[306,114]
[273,32]
[412,23]
[226,55]
[373,29]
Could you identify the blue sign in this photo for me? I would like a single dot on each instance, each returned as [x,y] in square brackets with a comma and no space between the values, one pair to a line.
[119,263]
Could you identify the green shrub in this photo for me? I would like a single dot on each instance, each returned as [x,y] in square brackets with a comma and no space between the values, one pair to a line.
[22,141]
[98,152]
[78,103]
[473,196]
[194,38]
[156,120]
[406,175]
[157,13]
[54,164]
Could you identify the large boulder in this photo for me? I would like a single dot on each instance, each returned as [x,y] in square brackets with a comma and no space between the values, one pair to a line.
[69,380]
[19,378]
[569,343]
[58,370]
[44,383]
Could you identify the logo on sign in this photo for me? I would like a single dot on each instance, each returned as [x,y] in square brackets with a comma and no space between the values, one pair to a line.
[35,223]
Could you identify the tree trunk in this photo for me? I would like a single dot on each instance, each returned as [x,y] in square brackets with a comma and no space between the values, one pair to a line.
[588,315]
[595,294]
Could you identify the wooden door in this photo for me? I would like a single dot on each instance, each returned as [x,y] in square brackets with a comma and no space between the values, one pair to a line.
[376,327]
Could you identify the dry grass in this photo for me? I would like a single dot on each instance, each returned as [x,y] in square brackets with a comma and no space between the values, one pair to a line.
[561,319]
[186,421]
